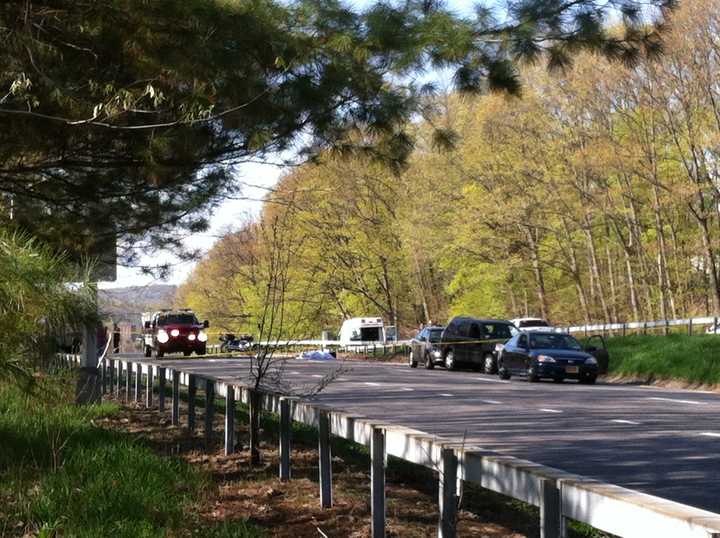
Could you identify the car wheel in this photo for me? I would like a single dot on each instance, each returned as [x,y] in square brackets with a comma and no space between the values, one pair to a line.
[532,375]
[503,372]
[202,350]
[429,364]
[588,380]
[148,351]
[489,366]
[411,360]
[186,353]
[450,360]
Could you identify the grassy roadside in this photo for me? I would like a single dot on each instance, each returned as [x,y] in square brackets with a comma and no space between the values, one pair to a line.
[63,475]
[692,359]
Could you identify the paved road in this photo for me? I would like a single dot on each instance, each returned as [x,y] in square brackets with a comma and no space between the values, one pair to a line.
[660,441]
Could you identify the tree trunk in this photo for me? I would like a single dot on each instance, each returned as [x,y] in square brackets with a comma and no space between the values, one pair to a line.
[537,271]
[595,269]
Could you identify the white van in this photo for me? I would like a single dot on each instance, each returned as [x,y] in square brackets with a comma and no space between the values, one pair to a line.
[361,331]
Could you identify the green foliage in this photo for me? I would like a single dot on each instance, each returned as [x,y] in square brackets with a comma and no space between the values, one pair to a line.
[62,475]
[676,356]
[35,303]
[138,112]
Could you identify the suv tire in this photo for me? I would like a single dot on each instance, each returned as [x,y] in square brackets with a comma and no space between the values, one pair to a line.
[411,360]
[489,365]
[148,352]
[532,375]
[450,360]
[503,372]
[429,364]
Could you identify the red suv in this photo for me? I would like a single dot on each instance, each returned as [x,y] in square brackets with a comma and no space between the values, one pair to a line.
[174,331]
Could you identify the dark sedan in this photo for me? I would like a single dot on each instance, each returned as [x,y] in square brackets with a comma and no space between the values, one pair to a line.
[424,348]
[538,355]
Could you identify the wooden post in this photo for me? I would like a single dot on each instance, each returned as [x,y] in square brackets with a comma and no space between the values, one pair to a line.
[161,389]
[138,381]
[624,329]
[111,376]
[229,420]
[175,416]
[448,494]
[666,328]
[149,387]
[377,483]
[552,524]
[285,435]
[192,391]
[644,327]
[690,327]
[325,460]
[209,410]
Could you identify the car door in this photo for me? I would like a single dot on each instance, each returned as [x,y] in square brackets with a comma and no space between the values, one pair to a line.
[417,345]
[520,355]
[474,348]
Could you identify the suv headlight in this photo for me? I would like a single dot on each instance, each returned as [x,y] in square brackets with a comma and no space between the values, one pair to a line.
[163,336]
[436,353]
[545,358]
[592,361]
[202,336]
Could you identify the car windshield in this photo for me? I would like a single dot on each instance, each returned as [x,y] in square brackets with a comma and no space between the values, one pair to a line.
[534,323]
[554,341]
[177,319]
[434,335]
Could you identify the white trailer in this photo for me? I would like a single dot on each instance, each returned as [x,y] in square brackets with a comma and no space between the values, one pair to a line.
[357,331]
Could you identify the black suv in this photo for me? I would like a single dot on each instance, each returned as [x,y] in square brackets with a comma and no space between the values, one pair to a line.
[472,342]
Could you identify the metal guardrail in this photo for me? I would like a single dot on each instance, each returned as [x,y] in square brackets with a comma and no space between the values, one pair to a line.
[643,326]
[559,495]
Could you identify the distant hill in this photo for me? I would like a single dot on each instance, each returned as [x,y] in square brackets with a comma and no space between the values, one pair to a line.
[126,304]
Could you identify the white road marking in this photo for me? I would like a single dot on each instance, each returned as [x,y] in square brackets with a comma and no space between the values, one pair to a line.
[445,394]
[549,410]
[372,384]
[710,434]
[408,389]
[492,380]
[494,402]
[317,375]
[622,421]
[295,373]
[692,402]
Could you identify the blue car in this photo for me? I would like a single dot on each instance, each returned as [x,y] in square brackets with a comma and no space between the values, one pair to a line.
[552,355]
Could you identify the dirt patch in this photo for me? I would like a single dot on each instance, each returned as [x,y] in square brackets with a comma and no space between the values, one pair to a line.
[292,509]
[661,383]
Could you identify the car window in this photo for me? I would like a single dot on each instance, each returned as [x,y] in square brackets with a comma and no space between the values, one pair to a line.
[475,331]
[464,328]
[554,341]
[522,340]
[423,335]
[435,334]
[177,319]
[534,323]
[498,331]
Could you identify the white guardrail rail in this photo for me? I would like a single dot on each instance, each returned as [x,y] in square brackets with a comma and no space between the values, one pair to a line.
[559,495]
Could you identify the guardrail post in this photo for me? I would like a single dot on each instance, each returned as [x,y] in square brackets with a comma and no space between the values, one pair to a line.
[209,410]
[325,460]
[103,376]
[377,482]
[111,376]
[175,418]
[118,379]
[229,420]
[128,379]
[666,328]
[644,327]
[285,433]
[552,524]
[161,389]
[192,391]
[138,381]
[690,327]
[149,387]
[624,328]
[448,493]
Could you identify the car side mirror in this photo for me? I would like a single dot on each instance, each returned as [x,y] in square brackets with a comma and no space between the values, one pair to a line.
[147,324]
[206,324]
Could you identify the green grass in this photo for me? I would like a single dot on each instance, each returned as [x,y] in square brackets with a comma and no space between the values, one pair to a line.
[695,359]
[62,475]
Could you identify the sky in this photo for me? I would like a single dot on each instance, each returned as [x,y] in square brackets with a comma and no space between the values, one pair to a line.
[258,177]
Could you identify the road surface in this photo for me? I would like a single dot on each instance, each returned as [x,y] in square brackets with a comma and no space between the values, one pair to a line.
[660,441]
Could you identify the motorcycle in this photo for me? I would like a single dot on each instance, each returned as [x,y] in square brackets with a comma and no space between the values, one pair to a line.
[232,343]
